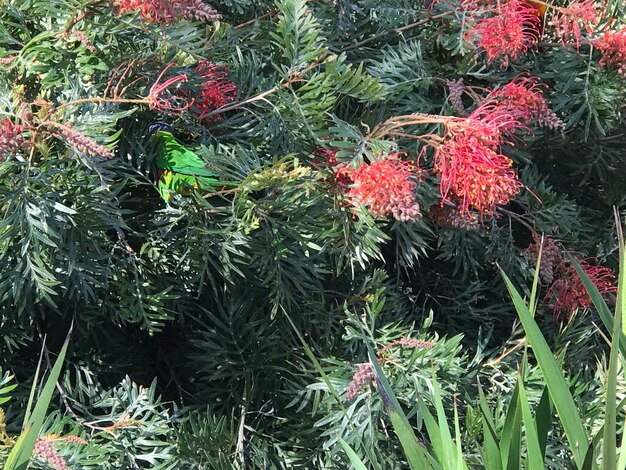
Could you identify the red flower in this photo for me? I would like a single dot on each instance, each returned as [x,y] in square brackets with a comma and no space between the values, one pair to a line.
[473,173]
[385,187]
[568,20]
[159,102]
[513,28]
[168,11]
[613,48]
[568,290]
[216,91]
[11,140]
[522,97]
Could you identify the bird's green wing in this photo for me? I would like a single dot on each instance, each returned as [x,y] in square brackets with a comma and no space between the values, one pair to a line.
[173,156]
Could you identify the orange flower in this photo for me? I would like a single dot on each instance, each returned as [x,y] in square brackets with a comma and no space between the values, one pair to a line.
[385,186]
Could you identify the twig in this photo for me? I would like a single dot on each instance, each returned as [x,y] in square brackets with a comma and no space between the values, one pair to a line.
[396,31]
[262,17]
[239,449]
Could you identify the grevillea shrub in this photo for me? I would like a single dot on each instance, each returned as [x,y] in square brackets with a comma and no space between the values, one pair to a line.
[341,173]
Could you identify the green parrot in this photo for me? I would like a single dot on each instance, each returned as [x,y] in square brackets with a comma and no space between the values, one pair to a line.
[179,170]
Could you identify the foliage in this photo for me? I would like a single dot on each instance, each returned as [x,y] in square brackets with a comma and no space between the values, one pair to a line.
[374,165]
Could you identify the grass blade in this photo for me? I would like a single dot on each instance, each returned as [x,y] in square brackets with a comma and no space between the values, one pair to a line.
[534,454]
[415,453]
[555,381]
[356,462]
[543,418]
[22,451]
[511,441]
[609,442]
[491,451]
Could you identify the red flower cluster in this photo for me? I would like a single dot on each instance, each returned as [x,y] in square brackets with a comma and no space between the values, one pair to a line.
[471,170]
[568,20]
[216,91]
[568,290]
[385,186]
[523,97]
[473,174]
[156,97]
[11,140]
[167,12]
[613,48]
[513,28]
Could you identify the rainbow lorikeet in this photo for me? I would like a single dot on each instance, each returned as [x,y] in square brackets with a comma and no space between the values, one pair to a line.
[179,170]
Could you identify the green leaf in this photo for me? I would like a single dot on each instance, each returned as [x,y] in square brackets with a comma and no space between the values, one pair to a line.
[609,442]
[511,441]
[543,418]
[414,451]
[22,451]
[491,450]
[557,386]
[534,454]
[357,463]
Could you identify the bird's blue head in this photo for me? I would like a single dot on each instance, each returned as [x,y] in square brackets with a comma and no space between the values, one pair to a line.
[159,126]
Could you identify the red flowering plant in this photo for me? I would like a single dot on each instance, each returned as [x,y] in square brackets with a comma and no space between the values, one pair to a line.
[612,45]
[216,91]
[385,186]
[166,12]
[566,290]
[473,173]
[509,30]
[570,21]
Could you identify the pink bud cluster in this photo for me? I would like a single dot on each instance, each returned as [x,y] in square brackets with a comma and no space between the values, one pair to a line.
[362,377]
[385,186]
[364,373]
[84,39]
[448,216]
[217,90]
[551,257]
[613,48]
[456,89]
[167,12]
[11,140]
[80,141]
[45,450]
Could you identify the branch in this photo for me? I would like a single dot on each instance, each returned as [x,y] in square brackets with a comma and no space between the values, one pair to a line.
[398,31]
